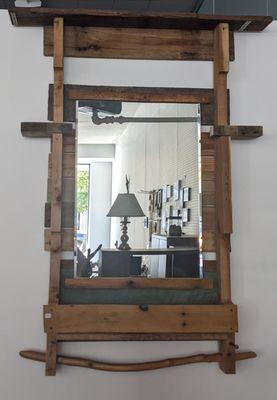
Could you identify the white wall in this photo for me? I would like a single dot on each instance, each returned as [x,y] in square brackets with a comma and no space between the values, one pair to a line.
[154,155]
[100,203]
[24,76]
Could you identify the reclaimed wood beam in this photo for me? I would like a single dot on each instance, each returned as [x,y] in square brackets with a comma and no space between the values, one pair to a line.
[223,187]
[73,93]
[68,212]
[137,337]
[239,132]
[45,129]
[140,283]
[56,191]
[43,16]
[100,318]
[145,44]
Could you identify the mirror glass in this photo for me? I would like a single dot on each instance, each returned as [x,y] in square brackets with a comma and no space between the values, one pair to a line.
[138,190]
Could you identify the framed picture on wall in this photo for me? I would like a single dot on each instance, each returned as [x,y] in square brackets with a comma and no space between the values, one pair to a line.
[159,199]
[164,191]
[186,194]
[168,192]
[186,215]
[177,189]
[146,222]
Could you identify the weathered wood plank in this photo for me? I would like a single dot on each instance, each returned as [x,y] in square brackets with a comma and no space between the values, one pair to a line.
[237,132]
[42,16]
[69,112]
[69,144]
[68,165]
[51,354]
[131,318]
[209,265]
[140,283]
[143,94]
[72,93]
[152,44]
[209,218]
[45,129]
[111,337]
[56,191]
[68,209]
[223,186]
[209,241]
[223,177]
[67,241]
[68,189]
[227,349]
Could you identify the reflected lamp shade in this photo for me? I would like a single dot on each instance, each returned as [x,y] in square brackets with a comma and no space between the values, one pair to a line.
[126,205]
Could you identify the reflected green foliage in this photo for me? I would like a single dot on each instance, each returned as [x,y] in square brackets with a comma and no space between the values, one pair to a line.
[82,191]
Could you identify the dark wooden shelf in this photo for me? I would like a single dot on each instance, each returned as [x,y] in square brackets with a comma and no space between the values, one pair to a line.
[45,129]
[140,283]
[129,19]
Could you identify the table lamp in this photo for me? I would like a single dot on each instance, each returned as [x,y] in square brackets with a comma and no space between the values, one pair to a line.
[125,206]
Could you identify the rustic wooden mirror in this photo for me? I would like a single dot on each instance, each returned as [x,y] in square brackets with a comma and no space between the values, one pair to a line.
[96,304]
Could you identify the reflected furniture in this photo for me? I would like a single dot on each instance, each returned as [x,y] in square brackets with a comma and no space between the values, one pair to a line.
[185,264]
[181,261]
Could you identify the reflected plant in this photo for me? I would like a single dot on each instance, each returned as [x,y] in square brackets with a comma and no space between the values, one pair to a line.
[82,191]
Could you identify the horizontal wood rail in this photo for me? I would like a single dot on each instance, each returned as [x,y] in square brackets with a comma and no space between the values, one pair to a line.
[73,93]
[134,43]
[135,367]
[137,337]
[140,283]
[98,318]
[45,129]
[141,94]
[41,16]
[239,132]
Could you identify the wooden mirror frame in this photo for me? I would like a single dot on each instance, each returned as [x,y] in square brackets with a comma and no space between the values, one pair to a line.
[93,322]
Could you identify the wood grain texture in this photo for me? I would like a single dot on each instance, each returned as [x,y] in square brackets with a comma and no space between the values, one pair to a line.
[72,93]
[223,188]
[56,191]
[134,19]
[50,358]
[67,239]
[223,185]
[209,265]
[135,367]
[67,210]
[68,189]
[208,192]
[128,318]
[68,165]
[137,337]
[143,94]
[139,283]
[152,44]
[223,175]
[237,132]
[227,349]
[45,129]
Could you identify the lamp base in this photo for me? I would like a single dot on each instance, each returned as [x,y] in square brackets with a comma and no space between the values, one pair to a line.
[124,237]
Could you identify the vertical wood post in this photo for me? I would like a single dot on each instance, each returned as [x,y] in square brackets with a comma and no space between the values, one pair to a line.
[56,189]
[223,184]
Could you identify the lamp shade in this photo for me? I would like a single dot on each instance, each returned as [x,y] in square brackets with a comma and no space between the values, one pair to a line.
[125,205]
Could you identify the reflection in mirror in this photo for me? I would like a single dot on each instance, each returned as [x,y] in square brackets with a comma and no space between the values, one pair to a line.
[138,190]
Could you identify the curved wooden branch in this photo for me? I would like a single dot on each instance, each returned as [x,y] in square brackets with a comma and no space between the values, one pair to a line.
[131,367]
